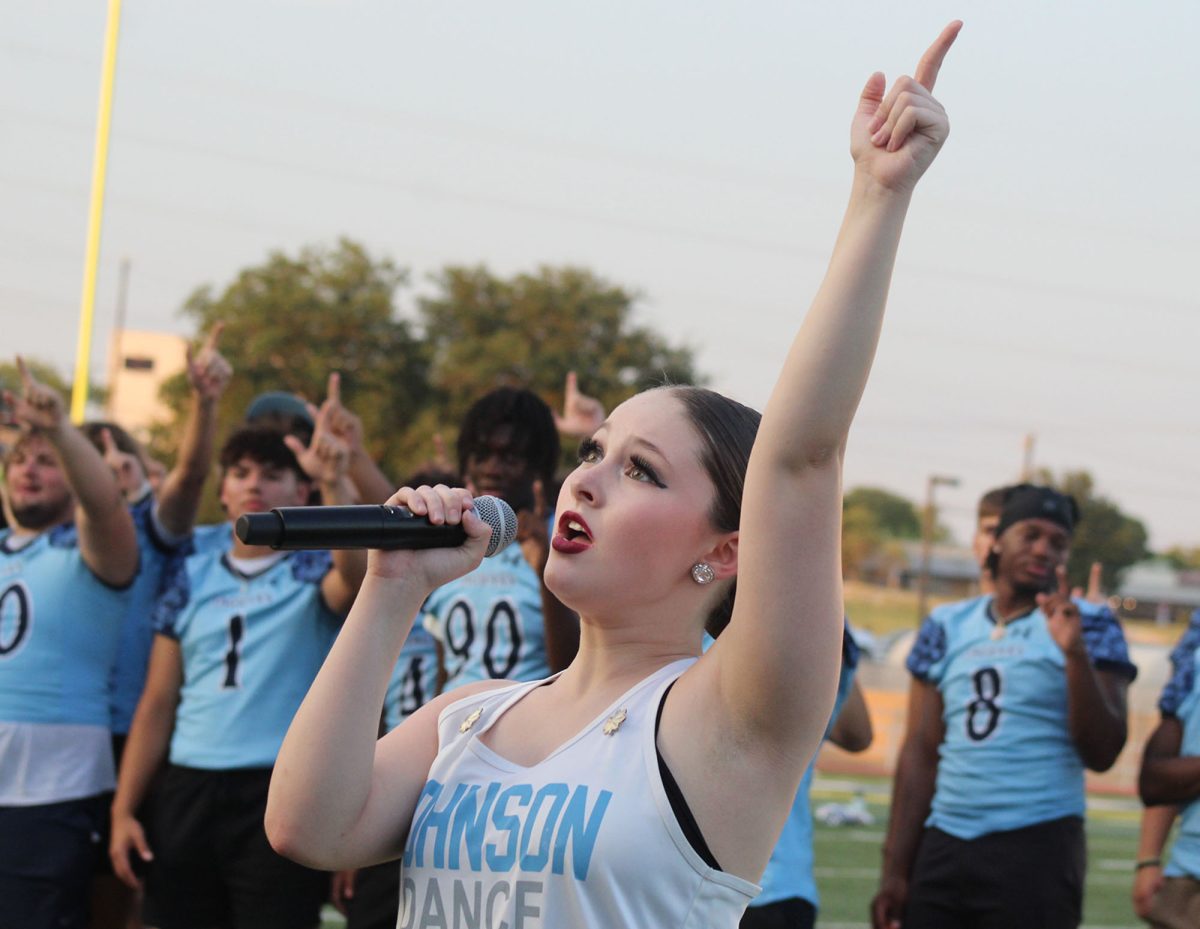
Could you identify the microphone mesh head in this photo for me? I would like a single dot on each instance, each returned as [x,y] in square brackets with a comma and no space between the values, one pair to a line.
[500,516]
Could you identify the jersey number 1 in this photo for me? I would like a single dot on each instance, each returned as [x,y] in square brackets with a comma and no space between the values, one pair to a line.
[233,657]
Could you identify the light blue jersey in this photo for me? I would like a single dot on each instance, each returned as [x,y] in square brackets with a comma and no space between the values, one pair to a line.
[1007,760]
[414,679]
[790,871]
[251,646]
[59,630]
[490,622]
[1181,699]
[215,538]
[137,633]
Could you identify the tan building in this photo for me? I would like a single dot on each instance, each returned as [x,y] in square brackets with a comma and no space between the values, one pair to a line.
[139,363]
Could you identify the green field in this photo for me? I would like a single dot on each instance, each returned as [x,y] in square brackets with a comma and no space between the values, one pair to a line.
[848,858]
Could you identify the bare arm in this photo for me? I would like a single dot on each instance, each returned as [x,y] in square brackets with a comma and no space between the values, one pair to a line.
[107,540]
[1166,776]
[208,375]
[852,730]
[912,796]
[1096,715]
[145,751]
[789,608]
[369,481]
[1148,873]
[336,800]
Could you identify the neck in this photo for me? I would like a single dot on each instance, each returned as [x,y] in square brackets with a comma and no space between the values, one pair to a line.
[1010,601]
[617,656]
[241,550]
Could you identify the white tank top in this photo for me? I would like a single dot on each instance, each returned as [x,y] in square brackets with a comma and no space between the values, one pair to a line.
[584,838]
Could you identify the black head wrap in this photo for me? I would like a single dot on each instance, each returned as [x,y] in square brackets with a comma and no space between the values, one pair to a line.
[1029,501]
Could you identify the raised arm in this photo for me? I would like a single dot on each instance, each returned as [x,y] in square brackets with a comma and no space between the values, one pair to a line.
[788,612]
[107,540]
[371,484]
[208,375]
[326,460]
[1096,715]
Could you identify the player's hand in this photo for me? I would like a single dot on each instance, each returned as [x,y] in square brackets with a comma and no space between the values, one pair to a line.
[341,890]
[431,568]
[126,468]
[1095,588]
[38,408]
[887,909]
[533,532]
[341,422]
[894,138]
[1062,616]
[208,372]
[582,415]
[127,845]
[325,459]
[1147,882]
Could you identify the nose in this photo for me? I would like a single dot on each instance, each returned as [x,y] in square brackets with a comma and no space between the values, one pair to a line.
[584,484]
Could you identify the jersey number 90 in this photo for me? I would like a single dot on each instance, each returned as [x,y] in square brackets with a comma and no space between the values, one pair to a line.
[501,632]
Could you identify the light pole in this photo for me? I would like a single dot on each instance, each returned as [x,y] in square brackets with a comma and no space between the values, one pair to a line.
[927,540]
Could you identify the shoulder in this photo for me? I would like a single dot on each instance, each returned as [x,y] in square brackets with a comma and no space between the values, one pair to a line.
[64,536]
[933,639]
[310,567]
[1183,669]
[1105,639]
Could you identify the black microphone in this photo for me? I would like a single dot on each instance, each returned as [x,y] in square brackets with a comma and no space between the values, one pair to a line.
[382,527]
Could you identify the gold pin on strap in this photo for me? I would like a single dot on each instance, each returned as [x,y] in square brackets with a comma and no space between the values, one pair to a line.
[613,723]
[471,720]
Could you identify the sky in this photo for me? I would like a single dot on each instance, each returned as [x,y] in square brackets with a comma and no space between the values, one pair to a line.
[696,153]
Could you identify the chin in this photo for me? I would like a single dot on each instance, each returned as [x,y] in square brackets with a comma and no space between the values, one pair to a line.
[39,516]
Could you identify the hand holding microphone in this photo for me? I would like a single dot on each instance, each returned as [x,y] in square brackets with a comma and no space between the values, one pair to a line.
[459,529]
[386,527]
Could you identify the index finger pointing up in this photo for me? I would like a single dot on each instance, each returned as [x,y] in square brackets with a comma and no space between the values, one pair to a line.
[210,343]
[931,62]
[23,371]
[334,390]
[1063,588]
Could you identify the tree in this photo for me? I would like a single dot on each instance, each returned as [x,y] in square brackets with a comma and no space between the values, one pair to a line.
[1105,533]
[10,378]
[1183,558]
[483,331]
[893,515]
[291,321]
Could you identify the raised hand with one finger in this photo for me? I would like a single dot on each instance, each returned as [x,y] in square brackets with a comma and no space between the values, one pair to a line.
[208,371]
[1062,616]
[894,138]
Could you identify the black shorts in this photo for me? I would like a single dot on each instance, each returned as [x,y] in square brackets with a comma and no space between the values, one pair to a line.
[376,900]
[1030,878]
[213,865]
[47,856]
[792,913]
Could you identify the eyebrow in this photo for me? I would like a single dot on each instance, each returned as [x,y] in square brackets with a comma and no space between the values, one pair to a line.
[636,440]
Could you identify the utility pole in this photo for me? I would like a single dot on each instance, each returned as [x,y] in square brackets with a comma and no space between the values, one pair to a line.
[1027,458]
[114,346]
[927,541]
